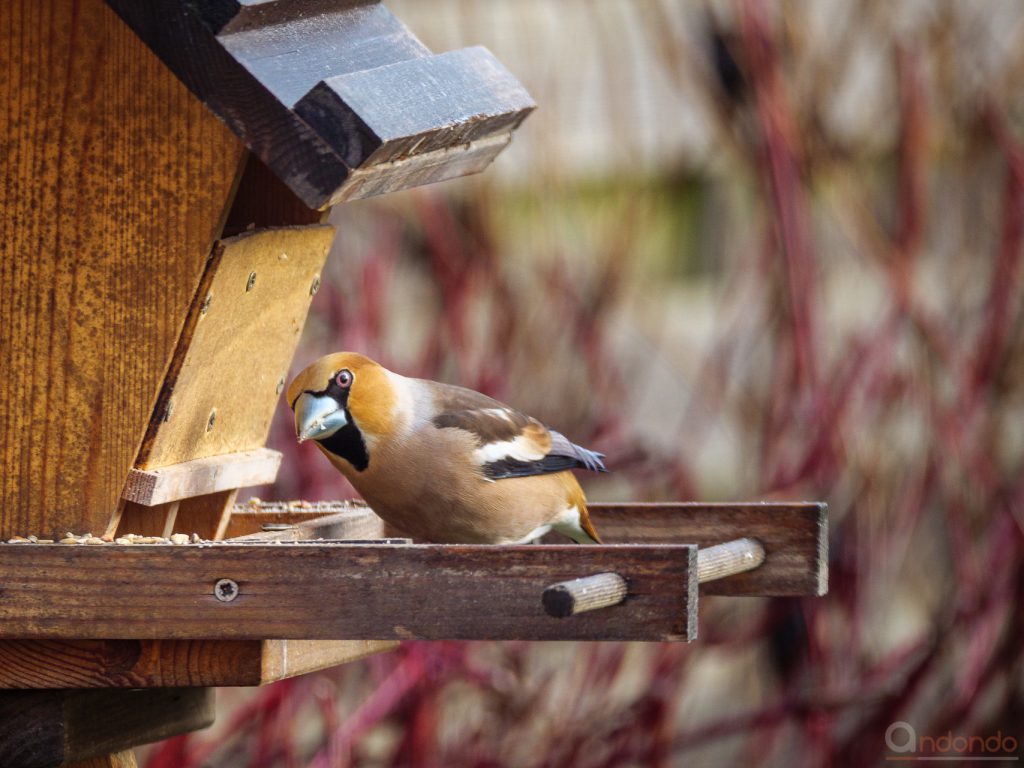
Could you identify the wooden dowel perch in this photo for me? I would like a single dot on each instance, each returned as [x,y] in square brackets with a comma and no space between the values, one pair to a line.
[587,594]
[729,558]
[603,590]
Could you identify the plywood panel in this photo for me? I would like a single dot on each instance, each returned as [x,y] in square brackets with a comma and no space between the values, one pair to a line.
[115,181]
[234,353]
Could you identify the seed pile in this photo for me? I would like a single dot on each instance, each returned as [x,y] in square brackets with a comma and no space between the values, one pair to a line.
[128,538]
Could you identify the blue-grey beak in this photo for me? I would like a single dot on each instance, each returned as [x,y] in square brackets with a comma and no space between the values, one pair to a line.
[317,417]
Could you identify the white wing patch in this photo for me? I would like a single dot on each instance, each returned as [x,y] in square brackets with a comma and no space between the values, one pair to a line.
[520,448]
[500,413]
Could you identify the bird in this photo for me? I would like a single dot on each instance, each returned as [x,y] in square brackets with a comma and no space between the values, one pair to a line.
[442,463]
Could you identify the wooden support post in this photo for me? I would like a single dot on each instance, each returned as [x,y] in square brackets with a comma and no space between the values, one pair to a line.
[732,557]
[44,729]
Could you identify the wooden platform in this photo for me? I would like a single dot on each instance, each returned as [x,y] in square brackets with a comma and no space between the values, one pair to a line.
[257,588]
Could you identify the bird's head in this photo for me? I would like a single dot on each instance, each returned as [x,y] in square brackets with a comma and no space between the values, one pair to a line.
[340,400]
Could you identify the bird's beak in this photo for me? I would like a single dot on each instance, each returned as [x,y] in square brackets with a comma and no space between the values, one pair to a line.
[317,417]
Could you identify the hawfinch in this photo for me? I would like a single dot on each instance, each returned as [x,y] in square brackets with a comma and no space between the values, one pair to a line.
[439,462]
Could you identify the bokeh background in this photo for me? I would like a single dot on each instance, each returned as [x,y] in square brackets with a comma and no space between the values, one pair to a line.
[749,250]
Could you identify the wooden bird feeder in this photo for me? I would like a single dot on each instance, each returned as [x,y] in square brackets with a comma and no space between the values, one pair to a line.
[167,167]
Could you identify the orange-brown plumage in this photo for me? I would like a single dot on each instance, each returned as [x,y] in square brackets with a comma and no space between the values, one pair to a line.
[440,462]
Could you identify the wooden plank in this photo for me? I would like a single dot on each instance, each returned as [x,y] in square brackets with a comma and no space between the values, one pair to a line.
[336,591]
[238,342]
[427,168]
[360,522]
[43,729]
[27,664]
[357,523]
[416,106]
[115,183]
[201,476]
[289,658]
[794,535]
[252,62]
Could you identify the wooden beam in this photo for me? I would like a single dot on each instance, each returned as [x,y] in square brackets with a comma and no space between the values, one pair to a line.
[43,729]
[336,591]
[794,535]
[243,469]
[26,664]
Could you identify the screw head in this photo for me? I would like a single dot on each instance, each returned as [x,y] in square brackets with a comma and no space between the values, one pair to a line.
[250,282]
[168,409]
[225,590]
[212,420]
[315,286]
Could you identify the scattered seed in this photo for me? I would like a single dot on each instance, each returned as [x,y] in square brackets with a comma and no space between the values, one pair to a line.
[122,540]
[179,538]
[94,540]
[69,540]
[18,540]
[195,538]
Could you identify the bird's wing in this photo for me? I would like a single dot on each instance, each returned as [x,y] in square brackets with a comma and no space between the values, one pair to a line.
[509,443]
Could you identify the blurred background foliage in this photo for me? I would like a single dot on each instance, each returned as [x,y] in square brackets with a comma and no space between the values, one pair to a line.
[749,250]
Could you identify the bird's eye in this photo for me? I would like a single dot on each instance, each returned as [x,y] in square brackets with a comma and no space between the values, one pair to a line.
[344,378]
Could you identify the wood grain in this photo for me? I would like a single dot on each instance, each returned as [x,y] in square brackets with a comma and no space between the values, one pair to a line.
[44,729]
[27,664]
[236,346]
[794,535]
[201,476]
[337,591]
[115,183]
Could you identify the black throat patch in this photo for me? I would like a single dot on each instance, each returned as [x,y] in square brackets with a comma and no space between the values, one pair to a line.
[348,443]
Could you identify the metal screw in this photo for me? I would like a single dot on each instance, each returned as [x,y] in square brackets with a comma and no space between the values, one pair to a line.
[280,385]
[167,410]
[250,282]
[205,307]
[212,420]
[225,590]
[315,286]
